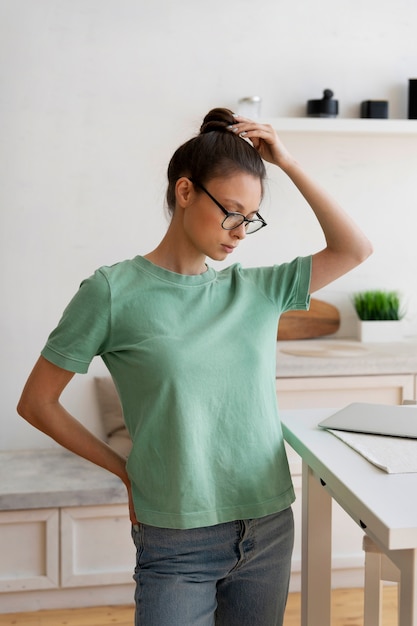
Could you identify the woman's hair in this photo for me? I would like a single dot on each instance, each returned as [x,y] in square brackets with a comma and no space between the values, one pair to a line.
[214,152]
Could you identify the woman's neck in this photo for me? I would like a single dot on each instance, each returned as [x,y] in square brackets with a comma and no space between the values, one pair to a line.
[173,256]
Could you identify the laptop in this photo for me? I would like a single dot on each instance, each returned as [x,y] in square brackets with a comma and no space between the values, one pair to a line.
[375,419]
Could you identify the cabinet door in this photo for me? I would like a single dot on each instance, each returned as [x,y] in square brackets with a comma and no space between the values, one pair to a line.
[29,549]
[96,546]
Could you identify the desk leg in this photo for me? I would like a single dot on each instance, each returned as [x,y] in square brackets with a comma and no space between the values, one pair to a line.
[406,560]
[316,552]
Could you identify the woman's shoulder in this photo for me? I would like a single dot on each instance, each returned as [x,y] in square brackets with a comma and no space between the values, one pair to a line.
[120,270]
[297,264]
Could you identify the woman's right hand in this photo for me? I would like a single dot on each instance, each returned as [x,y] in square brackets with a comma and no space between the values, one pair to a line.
[132,513]
[264,139]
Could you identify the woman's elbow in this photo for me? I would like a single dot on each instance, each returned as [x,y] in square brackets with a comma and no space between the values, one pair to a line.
[365,251]
[42,391]
[30,405]
[24,407]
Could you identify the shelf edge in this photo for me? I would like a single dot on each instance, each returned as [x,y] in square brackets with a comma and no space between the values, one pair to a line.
[344,125]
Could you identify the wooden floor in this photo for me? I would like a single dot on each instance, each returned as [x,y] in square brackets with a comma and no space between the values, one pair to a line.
[347,610]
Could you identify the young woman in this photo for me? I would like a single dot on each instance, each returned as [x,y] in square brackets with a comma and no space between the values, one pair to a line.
[192,353]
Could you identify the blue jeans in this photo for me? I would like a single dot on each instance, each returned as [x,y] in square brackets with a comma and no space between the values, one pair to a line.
[232,574]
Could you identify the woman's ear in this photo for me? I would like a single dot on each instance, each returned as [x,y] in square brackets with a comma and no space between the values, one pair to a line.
[184,191]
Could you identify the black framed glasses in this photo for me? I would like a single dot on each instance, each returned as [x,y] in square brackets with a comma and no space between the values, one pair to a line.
[234,220]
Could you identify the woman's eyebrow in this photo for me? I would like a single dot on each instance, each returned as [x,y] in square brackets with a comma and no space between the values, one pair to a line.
[239,205]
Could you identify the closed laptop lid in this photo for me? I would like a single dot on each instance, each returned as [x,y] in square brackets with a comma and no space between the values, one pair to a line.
[376,419]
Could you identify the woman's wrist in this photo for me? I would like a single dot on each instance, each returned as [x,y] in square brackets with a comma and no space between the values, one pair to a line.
[288,164]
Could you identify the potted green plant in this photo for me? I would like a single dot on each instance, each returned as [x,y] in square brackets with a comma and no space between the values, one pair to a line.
[380,314]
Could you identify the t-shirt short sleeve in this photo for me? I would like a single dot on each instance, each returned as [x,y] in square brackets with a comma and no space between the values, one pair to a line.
[84,327]
[286,285]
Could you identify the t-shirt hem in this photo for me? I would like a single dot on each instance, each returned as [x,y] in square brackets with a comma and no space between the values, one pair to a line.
[65,362]
[184,521]
[302,300]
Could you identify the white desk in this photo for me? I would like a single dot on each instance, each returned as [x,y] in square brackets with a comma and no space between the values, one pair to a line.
[385,505]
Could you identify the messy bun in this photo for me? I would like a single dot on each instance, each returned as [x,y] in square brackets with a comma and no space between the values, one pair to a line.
[214,152]
[217,120]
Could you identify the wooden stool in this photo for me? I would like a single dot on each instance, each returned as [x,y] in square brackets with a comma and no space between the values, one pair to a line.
[378,568]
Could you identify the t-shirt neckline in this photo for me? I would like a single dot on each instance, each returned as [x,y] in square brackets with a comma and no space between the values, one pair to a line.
[173,277]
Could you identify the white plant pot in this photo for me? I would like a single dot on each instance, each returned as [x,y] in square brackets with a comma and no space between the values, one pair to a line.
[376,331]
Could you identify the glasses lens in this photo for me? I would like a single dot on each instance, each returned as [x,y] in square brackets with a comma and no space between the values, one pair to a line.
[253,226]
[232,221]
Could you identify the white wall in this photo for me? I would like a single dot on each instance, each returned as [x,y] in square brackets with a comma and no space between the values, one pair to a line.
[96,94]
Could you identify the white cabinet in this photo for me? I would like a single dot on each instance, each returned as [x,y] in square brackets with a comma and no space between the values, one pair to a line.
[336,392]
[64,533]
[74,552]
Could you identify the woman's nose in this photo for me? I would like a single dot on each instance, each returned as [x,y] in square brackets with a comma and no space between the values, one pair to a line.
[240,231]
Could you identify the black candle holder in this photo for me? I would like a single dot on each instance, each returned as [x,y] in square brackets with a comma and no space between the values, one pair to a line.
[326,107]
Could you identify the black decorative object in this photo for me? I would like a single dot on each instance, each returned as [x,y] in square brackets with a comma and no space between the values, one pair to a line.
[326,107]
[374,109]
[412,99]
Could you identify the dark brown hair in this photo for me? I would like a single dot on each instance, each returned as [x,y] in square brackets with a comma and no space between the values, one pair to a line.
[216,151]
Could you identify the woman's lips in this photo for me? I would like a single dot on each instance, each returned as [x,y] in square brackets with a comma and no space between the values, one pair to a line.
[228,249]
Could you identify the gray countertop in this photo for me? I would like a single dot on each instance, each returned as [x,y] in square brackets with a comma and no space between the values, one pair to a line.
[334,357]
[38,479]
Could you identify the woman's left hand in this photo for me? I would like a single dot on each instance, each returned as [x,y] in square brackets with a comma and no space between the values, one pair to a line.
[264,139]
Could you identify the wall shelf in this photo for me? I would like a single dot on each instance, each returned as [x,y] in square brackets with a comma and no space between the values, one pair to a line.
[344,125]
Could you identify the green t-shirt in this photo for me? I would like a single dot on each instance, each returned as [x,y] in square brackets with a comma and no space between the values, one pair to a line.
[193,359]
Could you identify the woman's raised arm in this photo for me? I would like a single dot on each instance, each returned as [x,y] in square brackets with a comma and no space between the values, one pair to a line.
[346,245]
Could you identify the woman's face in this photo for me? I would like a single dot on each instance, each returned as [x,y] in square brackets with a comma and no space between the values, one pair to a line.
[239,193]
